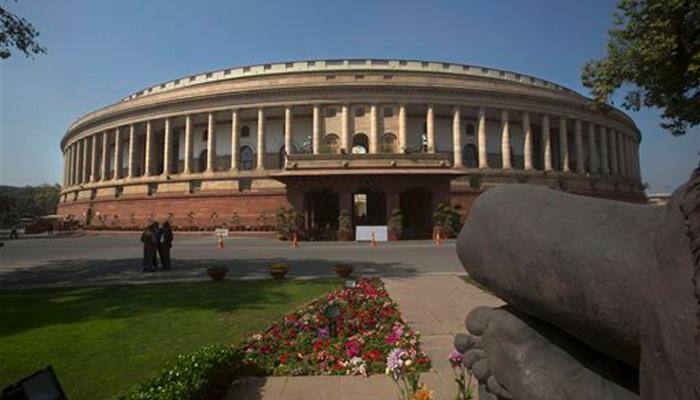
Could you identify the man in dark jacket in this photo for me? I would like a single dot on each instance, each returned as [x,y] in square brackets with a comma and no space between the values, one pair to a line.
[165,242]
[150,246]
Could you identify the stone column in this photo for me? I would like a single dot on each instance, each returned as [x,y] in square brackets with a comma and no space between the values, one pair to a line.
[373,129]
[76,175]
[288,132]
[625,154]
[234,140]
[527,143]
[66,167]
[84,177]
[430,128]
[187,168]
[93,158]
[547,142]
[316,129]
[132,140]
[578,143]
[261,138]
[613,152]
[344,128]
[505,140]
[604,164]
[211,142]
[149,150]
[167,139]
[563,145]
[69,160]
[103,160]
[74,164]
[457,137]
[116,174]
[592,154]
[483,153]
[402,128]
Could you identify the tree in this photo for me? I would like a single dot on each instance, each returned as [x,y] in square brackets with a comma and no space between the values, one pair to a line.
[17,33]
[654,47]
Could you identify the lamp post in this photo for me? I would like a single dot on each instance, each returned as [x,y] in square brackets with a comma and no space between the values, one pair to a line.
[332,312]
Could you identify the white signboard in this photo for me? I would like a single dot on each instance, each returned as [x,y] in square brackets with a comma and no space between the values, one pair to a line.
[221,232]
[364,233]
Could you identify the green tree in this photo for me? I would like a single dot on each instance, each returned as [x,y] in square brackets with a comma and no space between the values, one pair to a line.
[17,33]
[654,49]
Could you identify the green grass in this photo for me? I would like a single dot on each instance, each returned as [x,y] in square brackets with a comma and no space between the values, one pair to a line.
[103,340]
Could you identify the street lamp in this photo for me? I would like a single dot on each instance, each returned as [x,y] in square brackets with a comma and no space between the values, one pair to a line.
[332,312]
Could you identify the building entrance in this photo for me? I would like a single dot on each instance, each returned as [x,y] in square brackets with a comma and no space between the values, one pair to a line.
[417,210]
[368,208]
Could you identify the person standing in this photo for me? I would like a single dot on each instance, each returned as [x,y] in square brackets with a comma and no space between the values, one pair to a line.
[150,245]
[165,243]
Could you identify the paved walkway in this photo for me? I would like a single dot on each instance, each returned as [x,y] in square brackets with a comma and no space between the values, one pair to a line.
[434,305]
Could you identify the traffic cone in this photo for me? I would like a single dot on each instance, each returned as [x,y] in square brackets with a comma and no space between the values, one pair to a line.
[438,238]
[221,242]
[295,242]
[373,243]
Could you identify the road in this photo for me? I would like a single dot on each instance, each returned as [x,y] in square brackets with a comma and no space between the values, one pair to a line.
[89,260]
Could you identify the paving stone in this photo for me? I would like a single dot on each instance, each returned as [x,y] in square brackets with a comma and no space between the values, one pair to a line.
[256,388]
[370,388]
[312,387]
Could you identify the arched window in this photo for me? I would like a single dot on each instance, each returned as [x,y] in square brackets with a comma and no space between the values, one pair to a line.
[360,143]
[247,159]
[469,130]
[470,157]
[389,143]
[332,143]
[245,131]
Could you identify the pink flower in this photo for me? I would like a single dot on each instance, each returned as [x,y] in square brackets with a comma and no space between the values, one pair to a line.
[455,358]
[352,348]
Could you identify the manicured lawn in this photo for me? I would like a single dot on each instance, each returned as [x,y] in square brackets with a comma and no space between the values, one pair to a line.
[102,340]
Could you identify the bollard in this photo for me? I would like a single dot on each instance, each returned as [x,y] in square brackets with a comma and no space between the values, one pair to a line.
[438,238]
[295,241]
[221,242]
[373,243]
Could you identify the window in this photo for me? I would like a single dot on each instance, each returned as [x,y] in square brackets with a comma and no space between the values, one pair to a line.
[359,111]
[470,157]
[332,143]
[388,112]
[246,159]
[245,131]
[360,143]
[389,143]
[331,112]
[469,130]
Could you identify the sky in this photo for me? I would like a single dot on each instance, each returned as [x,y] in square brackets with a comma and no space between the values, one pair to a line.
[100,51]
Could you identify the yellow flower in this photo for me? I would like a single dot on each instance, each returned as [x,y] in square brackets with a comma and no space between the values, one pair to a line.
[408,363]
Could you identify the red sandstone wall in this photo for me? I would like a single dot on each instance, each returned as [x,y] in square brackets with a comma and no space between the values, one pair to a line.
[183,211]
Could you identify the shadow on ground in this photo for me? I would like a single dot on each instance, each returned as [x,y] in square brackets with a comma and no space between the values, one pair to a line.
[101,272]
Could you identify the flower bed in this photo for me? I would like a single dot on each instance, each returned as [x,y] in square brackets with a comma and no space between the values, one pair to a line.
[368,329]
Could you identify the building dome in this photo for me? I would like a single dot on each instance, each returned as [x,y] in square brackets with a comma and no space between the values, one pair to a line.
[230,147]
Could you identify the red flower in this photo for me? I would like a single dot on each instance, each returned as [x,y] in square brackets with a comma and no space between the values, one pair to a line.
[374,355]
[283,358]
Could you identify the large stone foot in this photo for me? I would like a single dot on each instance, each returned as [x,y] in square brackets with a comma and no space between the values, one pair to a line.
[516,357]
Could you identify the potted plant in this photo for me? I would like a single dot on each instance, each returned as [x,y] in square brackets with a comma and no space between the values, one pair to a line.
[278,270]
[217,273]
[446,220]
[344,226]
[395,225]
[343,270]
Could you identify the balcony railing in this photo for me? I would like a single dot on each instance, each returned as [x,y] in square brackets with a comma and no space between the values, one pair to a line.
[377,160]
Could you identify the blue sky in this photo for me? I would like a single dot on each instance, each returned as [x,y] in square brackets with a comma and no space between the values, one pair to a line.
[100,51]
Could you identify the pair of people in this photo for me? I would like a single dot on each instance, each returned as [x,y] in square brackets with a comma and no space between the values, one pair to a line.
[157,241]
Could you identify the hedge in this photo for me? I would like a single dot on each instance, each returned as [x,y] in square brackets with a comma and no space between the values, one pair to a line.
[206,373]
